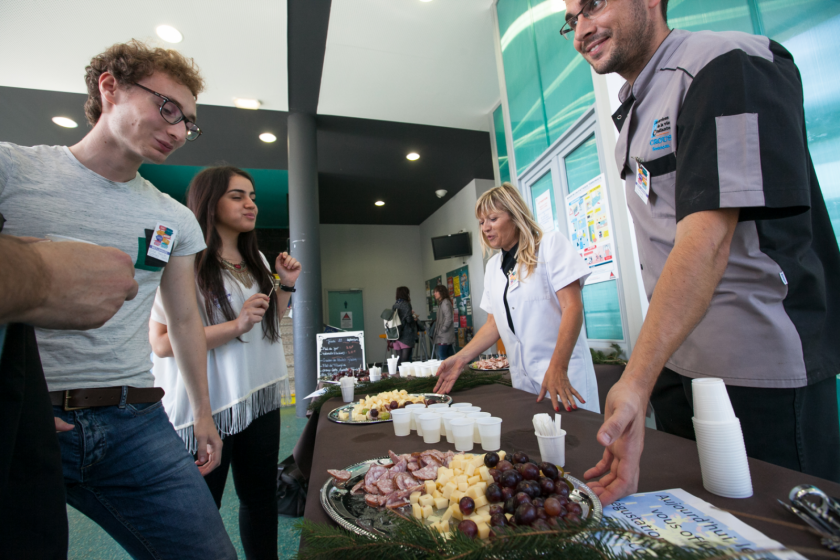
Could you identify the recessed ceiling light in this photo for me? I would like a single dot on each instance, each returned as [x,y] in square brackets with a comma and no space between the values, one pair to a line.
[267,137]
[413,156]
[246,103]
[65,122]
[169,34]
[379,203]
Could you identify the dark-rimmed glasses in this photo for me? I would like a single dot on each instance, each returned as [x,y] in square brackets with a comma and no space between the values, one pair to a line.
[591,10]
[173,114]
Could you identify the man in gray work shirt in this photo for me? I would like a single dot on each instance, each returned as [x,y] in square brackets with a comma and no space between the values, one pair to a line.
[735,242]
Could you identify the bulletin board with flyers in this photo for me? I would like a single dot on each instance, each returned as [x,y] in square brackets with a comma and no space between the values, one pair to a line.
[460,290]
[431,303]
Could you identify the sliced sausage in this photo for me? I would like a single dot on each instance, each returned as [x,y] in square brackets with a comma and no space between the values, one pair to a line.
[374,473]
[386,486]
[341,476]
[426,473]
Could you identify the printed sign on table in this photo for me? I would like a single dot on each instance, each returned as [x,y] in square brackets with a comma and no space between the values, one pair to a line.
[591,230]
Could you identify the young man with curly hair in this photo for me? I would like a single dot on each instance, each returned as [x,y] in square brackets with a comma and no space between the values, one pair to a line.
[124,466]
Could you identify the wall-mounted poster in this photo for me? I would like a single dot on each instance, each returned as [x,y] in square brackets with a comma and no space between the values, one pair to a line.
[591,230]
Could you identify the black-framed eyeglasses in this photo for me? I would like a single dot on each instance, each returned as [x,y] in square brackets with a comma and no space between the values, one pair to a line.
[173,114]
[591,10]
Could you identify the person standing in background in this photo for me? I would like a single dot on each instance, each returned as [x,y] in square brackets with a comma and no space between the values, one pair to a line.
[445,328]
[408,329]
[246,366]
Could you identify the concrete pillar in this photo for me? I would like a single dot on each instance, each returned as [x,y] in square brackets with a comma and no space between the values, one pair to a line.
[304,231]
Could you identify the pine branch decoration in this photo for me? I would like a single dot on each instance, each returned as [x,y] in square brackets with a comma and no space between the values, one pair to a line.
[467,380]
[411,540]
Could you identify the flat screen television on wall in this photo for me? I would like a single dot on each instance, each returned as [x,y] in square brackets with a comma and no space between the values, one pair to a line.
[453,245]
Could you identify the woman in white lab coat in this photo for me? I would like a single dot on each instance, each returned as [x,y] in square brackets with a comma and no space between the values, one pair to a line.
[532,295]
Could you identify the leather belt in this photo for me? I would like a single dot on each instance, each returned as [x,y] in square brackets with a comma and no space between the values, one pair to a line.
[76,399]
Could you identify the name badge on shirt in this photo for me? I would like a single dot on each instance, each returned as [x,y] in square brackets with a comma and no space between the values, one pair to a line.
[513,279]
[642,182]
[162,242]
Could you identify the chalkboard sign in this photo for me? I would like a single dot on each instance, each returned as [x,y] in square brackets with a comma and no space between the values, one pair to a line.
[339,352]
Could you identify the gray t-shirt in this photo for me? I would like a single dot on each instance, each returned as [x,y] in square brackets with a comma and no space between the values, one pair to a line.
[46,190]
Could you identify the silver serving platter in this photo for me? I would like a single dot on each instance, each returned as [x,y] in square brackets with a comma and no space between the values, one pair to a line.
[353,514]
[431,397]
[489,370]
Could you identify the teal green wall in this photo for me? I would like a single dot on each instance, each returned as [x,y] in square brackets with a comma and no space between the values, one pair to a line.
[271,186]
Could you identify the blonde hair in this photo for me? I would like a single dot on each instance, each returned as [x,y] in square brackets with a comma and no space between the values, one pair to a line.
[507,198]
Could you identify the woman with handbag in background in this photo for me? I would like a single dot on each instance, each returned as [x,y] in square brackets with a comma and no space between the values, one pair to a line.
[444,326]
[246,365]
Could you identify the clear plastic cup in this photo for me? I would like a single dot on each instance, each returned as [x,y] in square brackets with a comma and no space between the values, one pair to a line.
[553,448]
[403,370]
[490,430]
[476,416]
[401,418]
[462,433]
[460,405]
[711,400]
[392,366]
[411,408]
[439,405]
[348,386]
[469,409]
[447,426]
[431,427]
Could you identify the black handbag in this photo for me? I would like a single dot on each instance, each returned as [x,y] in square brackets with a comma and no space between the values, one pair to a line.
[291,489]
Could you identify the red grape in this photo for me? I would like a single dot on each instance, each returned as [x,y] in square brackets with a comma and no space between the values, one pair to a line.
[497,508]
[525,514]
[374,413]
[496,474]
[574,508]
[509,479]
[541,514]
[468,528]
[530,471]
[520,457]
[508,493]
[467,505]
[504,465]
[522,498]
[491,459]
[510,505]
[394,404]
[493,493]
[538,502]
[549,470]
[540,525]
[498,520]
[552,507]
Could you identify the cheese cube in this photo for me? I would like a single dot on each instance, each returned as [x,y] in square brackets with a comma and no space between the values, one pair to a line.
[483,530]
[461,478]
[426,500]
[456,472]
[509,516]
[501,455]
[455,497]
[456,513]
[481,501]
[414,497]
[437,494]
[483,486]
[448,489]
[433,519]
[485,475]
[478,461]
[447,515]
[442,528]
[416,512]
[483,510]
[456,463]
[470,470]
[482,518]
[427,511]
[474,492]
[441,503]
[430,486]
[473,480]
[463,486]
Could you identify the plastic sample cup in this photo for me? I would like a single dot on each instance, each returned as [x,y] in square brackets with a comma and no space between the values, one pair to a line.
[553,448]
[348,386]
[411,408]
[490,430]
[476,416]
[403,370]
[447,425]
[431,427]
[375,374]
[469,409]
[462,432]
[401,418]
[460,405]
[439,405]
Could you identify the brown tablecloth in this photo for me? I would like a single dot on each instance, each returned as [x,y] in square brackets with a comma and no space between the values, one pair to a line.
[667,462]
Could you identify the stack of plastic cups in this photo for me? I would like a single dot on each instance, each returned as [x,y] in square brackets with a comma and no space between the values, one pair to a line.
[446,419]
[475,416]
[375,374]
[412,408]
[720,442]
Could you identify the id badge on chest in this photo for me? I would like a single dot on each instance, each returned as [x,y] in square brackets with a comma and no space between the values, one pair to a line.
[513,279]
[642,181]
[162,242]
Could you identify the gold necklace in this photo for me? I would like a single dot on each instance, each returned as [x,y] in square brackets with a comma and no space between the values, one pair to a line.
[240,272]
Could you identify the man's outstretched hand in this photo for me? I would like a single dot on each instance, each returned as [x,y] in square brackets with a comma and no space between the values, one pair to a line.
[623,436]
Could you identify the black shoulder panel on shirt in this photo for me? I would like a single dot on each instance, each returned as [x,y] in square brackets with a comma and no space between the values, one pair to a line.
[736,83]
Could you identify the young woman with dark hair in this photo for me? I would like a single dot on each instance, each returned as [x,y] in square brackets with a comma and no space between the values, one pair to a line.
[408,329]
[445,327]
[246,366]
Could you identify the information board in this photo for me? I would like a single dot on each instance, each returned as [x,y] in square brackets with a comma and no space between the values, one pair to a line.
[460,291]
[339,352]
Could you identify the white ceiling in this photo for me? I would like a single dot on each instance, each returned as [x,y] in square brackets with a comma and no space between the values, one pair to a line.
[409,61]
[239,46]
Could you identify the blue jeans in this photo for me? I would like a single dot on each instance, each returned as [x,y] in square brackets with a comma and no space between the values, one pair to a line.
[127,470]
[443,351]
